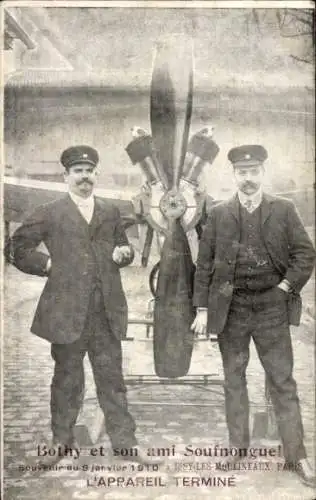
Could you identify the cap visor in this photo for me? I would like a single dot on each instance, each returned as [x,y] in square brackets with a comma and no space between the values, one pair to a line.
[247,163]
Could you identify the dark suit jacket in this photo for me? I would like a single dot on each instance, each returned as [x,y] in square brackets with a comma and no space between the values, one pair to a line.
[72,244]
[287,243]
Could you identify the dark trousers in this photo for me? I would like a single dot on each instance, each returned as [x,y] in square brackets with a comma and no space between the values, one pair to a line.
[263,317]
[67,388]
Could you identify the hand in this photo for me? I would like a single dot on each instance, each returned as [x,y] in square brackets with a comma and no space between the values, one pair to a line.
[48,265]
[284,287]
[199,325]
[121,253]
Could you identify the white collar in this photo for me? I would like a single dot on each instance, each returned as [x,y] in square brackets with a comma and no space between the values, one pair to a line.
[79,201]
[255,198]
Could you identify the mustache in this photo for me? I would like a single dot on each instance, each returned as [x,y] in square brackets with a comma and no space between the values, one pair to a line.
[85,180]
[250,184]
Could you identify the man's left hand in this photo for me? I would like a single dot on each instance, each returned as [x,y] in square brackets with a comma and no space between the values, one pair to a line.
[121,253]
[199,325]
[284,285]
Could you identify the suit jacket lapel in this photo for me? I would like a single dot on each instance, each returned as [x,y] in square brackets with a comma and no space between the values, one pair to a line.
[233,207]
[98,216]
[73,213]
[231,228]
[266,208]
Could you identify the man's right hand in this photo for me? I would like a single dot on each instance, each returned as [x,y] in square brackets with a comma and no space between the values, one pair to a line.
[48,265]
[199,325]
[120,253]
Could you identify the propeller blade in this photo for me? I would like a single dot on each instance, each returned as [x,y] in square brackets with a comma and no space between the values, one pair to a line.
[171,105]
[174,312]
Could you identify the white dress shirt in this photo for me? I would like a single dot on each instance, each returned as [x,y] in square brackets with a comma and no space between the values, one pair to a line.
[250,202]
[85,205]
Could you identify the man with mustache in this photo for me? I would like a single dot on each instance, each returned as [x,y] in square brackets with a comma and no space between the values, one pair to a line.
[82,308]
[254,258]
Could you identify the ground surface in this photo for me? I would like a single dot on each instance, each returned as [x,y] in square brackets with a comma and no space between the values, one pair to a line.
[166,415]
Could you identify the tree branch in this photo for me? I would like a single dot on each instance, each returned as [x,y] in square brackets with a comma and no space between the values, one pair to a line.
[308,22]
[302,60]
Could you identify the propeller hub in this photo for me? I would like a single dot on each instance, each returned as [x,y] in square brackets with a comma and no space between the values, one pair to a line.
[173,205]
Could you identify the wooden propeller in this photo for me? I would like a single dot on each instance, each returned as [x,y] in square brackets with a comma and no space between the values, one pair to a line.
[170,115]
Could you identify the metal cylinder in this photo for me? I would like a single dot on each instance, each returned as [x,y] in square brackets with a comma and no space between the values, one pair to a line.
[141,152]
[201,150]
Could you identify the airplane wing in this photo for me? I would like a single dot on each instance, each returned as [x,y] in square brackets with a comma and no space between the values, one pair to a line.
[22,195]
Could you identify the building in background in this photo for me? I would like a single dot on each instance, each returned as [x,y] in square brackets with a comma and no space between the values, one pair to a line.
[82,75]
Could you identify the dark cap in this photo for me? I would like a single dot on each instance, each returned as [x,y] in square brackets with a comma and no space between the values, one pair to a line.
[79,154]
[247,156]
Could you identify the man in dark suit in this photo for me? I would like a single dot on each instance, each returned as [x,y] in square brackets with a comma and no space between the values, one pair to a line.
[254,258]
[82,308]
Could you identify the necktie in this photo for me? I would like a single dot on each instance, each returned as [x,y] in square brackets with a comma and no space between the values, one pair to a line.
[248,205]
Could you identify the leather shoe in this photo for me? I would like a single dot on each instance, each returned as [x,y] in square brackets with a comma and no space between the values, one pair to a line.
[304,470]
[140,456]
